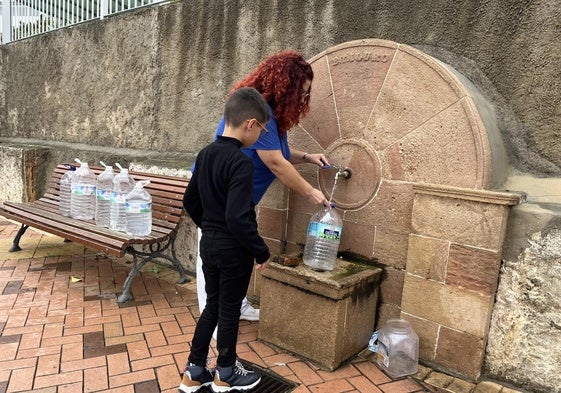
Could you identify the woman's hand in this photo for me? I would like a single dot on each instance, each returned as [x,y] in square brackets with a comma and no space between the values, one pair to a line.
[316,197]
[317,158]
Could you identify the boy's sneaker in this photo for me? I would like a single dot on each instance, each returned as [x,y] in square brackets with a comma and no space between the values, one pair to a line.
[194,378]
[235,377]
[249,313]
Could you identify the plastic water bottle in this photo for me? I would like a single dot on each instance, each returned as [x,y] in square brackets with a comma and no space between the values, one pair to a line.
[82,198]
[397,348]
[322,242]
[123,183]
[139,210]
[103,196]
[66,190]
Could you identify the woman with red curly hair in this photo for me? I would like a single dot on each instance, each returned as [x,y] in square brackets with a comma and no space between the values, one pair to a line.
[285,81]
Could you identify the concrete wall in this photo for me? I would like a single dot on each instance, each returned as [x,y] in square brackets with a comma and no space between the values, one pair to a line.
[148,87]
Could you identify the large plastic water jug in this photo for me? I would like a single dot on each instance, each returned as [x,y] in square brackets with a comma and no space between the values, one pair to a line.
[103,196]
[82,198]
[322,241]
[123,183]
[397,348]
[66,190]
[139,210]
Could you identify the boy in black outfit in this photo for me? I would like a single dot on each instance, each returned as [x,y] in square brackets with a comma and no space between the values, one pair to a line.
[219,200]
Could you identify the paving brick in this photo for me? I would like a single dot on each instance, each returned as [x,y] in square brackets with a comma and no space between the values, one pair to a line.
[54,330]
[47,342]
[304,373]
[21,379]
[372,372]
[142,328]
[95,379]
[171,328]
[155,339]
[182,339]
[83,364]
[130,319]
[72,351]
[487,387]
[401,386]
[72,388]
[138,350]
[253,358]
[91,312]
[58,379]
[113,329]
[131,378]
[461,386]
[170,349]
[8,351]
[152,362]
[47,365]
[102,320]
[146,311]
[344,372]
[82,330]
[168,377]
[262,349]
[14,338]
[118,363]
[364,385]
[123,339]
[334,386]
[280,358]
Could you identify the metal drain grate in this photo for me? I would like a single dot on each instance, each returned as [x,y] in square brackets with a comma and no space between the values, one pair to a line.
[270,381]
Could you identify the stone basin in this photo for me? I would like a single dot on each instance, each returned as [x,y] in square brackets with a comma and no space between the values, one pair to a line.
[326,317]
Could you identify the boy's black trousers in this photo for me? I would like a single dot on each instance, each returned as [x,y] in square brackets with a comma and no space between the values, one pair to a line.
[227,267]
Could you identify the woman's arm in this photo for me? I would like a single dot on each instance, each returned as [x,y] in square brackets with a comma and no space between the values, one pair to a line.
[299,156]
[290,177]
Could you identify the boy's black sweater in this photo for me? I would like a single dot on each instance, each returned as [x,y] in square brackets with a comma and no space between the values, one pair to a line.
[220,193]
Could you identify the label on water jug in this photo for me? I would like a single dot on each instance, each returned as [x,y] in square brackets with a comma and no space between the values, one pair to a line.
[324,231]
[118,197]
[383,356]
[83,189]
[103,195]
[135,207]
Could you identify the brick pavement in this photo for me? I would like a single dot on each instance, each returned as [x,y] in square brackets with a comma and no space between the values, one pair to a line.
[61,329]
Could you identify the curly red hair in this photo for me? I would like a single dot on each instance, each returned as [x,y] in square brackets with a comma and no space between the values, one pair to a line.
[280,79]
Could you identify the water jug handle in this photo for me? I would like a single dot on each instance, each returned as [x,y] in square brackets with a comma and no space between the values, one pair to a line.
[373,343]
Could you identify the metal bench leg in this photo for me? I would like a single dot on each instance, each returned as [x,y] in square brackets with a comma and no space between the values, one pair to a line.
[156,251]
[126,295]
[15,244]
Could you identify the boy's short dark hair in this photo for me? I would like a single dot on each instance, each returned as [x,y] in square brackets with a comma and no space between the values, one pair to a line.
[243,104]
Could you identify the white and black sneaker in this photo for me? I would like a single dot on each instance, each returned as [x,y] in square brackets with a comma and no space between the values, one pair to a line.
[194,378]
[235,377]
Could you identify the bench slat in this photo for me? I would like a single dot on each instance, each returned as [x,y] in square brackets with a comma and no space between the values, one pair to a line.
[50,216]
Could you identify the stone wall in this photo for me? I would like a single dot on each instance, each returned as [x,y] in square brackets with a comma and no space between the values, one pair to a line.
[147,87]
[155,79]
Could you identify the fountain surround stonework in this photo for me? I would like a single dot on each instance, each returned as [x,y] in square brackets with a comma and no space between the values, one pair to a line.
[424,150]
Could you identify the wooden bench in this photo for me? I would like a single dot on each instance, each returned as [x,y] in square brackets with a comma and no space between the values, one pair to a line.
[167,210]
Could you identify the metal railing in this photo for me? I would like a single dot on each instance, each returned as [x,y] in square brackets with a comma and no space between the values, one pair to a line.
[26,18]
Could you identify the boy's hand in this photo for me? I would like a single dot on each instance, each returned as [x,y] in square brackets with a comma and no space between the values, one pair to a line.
[262,265]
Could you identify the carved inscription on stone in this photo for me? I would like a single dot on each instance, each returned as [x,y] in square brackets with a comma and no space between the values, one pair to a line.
[357,57]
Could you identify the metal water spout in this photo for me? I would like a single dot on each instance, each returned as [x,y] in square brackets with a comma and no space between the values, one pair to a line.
[341,171]
[344,173]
